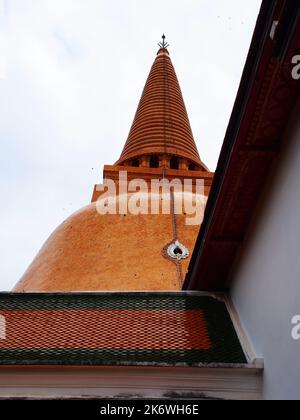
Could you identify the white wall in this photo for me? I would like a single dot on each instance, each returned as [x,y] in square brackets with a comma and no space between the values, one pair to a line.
[266,280]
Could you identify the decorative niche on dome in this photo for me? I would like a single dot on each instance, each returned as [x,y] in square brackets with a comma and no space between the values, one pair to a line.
[177,251]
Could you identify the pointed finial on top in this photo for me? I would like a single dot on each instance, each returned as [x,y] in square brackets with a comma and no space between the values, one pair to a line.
[163,44]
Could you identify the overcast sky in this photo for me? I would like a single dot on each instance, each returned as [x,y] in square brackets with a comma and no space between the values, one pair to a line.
[71,75]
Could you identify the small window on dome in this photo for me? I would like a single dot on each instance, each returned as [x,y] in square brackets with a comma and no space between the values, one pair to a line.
[174,163]
[178,251]
[154,161]
[135,163]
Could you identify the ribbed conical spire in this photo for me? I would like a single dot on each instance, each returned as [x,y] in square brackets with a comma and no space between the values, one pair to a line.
[161,124]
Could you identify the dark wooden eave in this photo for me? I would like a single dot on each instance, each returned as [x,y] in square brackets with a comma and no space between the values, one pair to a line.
[264,103]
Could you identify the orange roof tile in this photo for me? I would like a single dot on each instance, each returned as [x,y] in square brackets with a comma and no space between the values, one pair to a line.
[116,328]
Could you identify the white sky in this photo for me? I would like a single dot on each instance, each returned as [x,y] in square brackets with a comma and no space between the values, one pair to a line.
[71,76]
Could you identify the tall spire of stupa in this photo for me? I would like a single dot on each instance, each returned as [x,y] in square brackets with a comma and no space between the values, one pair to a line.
[161,124]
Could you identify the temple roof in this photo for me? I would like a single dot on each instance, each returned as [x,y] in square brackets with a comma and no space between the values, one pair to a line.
[254,141]
[117,329]
[161,124]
